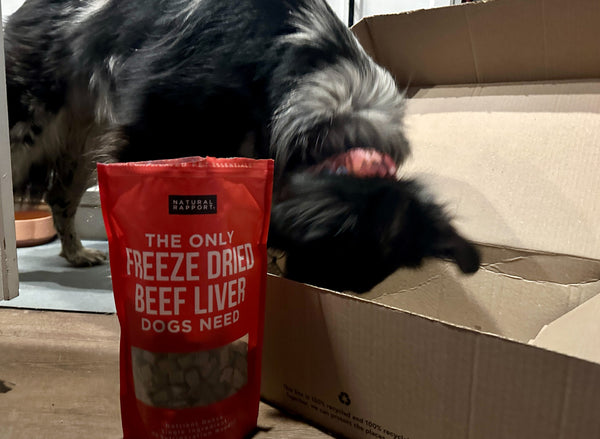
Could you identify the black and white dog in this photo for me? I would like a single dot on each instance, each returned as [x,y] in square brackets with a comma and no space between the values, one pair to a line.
[115,80]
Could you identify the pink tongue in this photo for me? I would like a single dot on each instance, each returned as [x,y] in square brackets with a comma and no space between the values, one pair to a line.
[359,162]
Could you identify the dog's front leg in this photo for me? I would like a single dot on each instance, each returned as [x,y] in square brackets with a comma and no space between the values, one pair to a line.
[64,196]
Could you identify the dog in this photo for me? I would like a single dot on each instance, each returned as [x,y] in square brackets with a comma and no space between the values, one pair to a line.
[108,80]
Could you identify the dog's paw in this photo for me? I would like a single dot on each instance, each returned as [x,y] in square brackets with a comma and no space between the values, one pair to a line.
[85,257]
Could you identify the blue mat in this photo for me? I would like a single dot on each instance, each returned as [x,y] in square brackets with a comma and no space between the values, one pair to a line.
[48,282]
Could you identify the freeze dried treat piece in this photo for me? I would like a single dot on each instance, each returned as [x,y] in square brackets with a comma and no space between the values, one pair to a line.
[183,380]
[192,377]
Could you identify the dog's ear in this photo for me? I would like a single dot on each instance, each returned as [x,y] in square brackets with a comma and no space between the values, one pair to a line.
[308,217]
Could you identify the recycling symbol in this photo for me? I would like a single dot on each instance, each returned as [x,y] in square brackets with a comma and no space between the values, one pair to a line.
[344,398]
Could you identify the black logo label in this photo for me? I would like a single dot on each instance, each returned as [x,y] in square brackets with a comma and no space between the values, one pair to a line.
[344,398]
[192,204]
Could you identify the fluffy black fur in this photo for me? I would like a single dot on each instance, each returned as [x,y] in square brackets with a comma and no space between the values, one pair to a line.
[344,233]
[114,80]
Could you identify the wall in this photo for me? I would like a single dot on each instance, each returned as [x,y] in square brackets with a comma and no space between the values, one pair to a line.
[10,6]
[363,8]
[374,7]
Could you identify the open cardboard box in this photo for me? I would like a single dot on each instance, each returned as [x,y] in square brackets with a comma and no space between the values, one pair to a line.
[504,119]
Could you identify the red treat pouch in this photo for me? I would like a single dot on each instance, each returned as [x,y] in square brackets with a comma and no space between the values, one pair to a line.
[187,243]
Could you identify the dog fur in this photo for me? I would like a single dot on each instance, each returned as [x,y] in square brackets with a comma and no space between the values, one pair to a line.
[113,80]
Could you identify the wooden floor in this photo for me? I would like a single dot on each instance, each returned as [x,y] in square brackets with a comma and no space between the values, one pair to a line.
[59,379]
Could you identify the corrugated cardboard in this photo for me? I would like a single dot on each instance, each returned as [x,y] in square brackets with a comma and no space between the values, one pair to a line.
[504,119]
[499,41]
[577,333]
[517,163]
[515,294]
[361,369]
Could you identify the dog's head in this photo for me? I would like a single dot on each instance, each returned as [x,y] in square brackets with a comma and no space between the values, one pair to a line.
[337,137]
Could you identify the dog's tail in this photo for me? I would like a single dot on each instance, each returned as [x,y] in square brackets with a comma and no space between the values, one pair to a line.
[348,233]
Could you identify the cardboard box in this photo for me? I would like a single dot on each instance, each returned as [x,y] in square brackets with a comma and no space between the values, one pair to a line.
[504,120]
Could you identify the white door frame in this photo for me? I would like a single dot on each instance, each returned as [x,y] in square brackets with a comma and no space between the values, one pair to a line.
[9,275]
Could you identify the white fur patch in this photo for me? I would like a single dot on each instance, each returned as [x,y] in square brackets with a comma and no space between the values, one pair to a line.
[187,8]
[350,103]
[342,91]
[113,63]
[88,10]
[313,25]
[104,106]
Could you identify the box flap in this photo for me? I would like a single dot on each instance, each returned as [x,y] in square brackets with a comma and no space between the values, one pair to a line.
[495,41]
[577,333]
[516,164]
